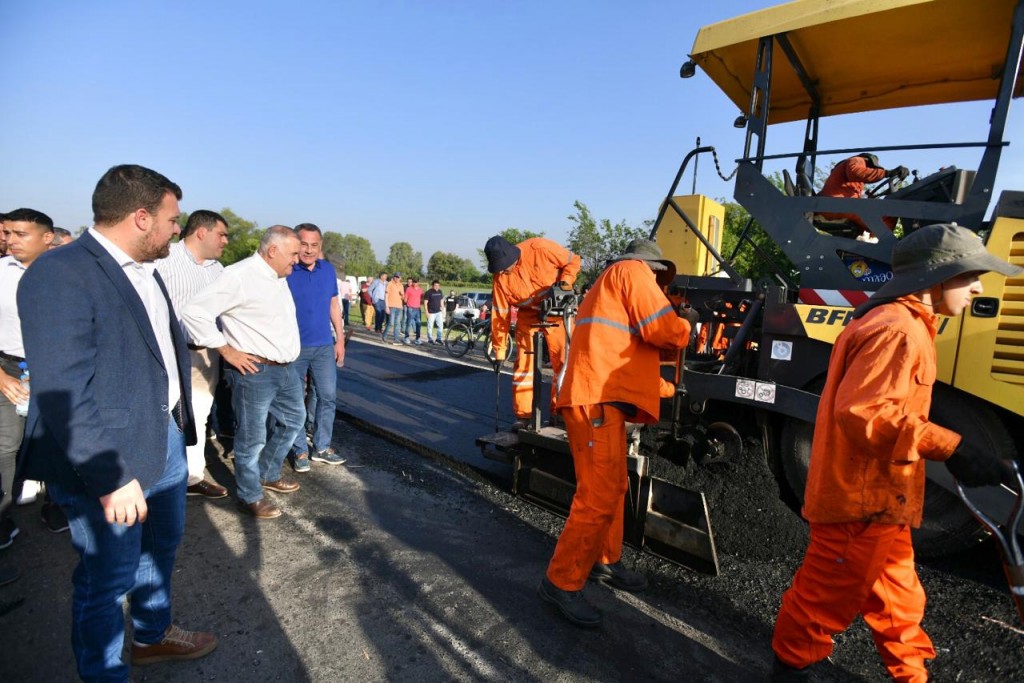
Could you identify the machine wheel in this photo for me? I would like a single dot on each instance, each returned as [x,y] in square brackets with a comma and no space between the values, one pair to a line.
[457,340]
[510,355]
[947,526]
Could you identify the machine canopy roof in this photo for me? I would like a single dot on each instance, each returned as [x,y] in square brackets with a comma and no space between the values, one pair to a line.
[864,55]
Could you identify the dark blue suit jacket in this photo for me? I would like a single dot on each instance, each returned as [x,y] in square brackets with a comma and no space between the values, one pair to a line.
[97,417]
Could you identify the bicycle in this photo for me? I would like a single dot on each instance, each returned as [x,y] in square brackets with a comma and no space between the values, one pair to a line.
[463,336]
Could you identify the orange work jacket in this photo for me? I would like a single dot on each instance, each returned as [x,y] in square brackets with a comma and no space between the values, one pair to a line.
[614,351]
[872,434]
[847,179]
[525,285]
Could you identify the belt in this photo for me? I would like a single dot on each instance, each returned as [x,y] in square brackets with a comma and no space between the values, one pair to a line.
[263,361]
[193,347]
[15,359]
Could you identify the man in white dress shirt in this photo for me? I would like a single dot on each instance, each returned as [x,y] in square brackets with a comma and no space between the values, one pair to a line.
[191,266]
[259,338]
[28,234]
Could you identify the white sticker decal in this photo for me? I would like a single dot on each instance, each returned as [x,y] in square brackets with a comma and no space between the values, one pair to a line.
[765,393]
[745,388]
[782,350]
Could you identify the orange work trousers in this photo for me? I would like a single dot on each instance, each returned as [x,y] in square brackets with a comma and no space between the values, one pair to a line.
[593,532]
[851,568]
[522,372]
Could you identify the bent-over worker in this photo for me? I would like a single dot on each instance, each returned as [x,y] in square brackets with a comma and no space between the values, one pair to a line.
[523,277]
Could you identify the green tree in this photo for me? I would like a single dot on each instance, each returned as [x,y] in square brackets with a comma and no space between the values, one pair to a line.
[471,273]
[758,256]
[352,252]
[402,259]
[514,236]
[598,240]
[447,267]
[243,237]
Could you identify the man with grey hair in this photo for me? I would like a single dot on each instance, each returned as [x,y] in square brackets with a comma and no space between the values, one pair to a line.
[258,338]
[61,237]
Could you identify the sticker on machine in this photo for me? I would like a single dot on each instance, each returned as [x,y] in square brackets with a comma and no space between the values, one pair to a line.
[764,393]
[782,350]
[745,388]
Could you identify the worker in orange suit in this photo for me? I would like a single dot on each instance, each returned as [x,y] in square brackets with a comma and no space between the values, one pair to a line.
[865,487]
[524,275]
[848,178]
[612,375]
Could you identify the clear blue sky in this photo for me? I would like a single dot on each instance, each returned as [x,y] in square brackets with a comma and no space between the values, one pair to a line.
[437,123]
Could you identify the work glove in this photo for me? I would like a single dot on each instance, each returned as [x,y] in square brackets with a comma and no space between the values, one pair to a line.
[559,290]
[497,357]
[974,466]
[900,172]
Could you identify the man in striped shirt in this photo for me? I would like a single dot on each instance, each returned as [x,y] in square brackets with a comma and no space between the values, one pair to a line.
[191,266]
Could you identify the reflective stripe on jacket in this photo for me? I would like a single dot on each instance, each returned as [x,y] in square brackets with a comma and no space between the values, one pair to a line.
[614,350]
[872,427]
[541,264]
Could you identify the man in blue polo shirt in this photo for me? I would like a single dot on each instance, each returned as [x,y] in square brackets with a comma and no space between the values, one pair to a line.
[314,288]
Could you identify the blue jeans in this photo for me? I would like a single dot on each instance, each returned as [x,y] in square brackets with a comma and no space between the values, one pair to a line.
[394,320]
[413,322]
[380,318]
[269,413]
[117,560]
[435,319]
[318,361]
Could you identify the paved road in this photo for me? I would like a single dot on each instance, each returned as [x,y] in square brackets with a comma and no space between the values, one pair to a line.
[389,568]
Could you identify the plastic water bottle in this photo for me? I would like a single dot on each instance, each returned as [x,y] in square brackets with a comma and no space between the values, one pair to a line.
[22,408]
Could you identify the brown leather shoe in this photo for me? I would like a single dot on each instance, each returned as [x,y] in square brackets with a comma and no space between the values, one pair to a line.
[207,489]
[261,509]
[282,485]
[177,644]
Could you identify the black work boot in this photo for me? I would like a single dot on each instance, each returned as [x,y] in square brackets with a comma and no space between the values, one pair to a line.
[783,673]
[572,604]
[617,576]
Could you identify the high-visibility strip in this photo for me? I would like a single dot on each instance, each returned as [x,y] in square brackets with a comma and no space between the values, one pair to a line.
[635,330]
[833,297]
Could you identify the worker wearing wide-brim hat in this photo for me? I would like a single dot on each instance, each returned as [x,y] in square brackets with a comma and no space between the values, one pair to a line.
[612,375]
[872,437]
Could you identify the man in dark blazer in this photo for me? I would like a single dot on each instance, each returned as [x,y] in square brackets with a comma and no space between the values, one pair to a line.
[109,418]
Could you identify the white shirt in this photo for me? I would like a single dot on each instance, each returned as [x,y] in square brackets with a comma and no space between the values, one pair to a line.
[11,271]
[344,289]
[143,279]
[256,310]
[184,277]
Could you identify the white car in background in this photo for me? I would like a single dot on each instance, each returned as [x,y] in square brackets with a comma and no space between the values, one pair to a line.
[471,302]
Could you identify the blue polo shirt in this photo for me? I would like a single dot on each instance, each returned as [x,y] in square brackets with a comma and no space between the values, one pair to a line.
[312,291]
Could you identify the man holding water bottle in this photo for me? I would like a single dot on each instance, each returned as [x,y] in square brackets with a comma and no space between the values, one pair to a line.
[28,233]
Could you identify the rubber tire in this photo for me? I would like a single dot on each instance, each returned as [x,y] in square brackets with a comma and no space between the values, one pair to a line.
[947,526]
[510,356]
[457,340]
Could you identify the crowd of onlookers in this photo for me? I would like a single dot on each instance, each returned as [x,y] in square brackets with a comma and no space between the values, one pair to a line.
[389,306]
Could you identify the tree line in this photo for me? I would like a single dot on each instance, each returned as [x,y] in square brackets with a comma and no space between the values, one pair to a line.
[594,240]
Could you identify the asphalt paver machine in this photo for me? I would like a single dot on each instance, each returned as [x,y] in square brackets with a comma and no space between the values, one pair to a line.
[762,348]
